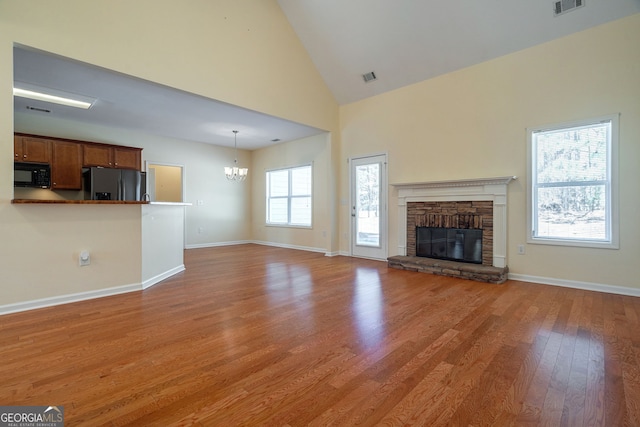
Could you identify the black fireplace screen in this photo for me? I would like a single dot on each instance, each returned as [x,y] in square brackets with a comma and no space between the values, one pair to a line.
[454,244]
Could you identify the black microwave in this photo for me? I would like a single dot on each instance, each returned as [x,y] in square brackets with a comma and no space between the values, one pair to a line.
[31,175]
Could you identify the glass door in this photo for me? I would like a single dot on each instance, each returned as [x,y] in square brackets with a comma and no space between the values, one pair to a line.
[369,207]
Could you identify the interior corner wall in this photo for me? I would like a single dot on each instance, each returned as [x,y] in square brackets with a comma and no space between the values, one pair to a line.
[211,48]
[315,150]
[220,210]
[472,124]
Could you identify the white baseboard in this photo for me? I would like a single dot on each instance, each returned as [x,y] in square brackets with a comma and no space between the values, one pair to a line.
[83,296]
[216,244]
[587,286]
[160,277]
[65,299]
[286,246]
[263,243]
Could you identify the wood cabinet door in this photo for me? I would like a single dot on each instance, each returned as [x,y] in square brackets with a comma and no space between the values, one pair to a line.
[97,155]
[34,150]
[66,166]
[17,149]
[126,158]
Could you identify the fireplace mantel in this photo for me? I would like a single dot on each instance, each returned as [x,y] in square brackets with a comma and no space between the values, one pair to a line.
[501,181]
[494,189]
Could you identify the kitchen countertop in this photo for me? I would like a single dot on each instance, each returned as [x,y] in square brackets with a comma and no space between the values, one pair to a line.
[171,203]
[78,202]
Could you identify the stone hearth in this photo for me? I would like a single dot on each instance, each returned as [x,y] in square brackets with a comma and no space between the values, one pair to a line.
[463,270]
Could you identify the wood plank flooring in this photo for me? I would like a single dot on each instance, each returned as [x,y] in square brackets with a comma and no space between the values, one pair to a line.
[258,336]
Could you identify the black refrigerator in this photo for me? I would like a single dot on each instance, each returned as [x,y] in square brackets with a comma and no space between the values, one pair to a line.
[114,184]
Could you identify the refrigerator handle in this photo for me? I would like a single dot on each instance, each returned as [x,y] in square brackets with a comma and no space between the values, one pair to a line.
[120,189]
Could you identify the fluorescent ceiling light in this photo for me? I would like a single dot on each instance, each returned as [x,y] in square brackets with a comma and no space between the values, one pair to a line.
[39,96]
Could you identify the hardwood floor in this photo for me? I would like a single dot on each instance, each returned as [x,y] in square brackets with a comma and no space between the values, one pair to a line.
[252,335]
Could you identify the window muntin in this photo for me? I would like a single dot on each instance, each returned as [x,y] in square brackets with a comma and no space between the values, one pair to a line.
[289,196]
[572,172]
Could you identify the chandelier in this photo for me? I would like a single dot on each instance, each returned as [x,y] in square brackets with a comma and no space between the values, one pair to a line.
[234,173]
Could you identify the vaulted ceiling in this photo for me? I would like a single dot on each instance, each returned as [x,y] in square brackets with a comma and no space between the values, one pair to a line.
[408,41]
[402,42]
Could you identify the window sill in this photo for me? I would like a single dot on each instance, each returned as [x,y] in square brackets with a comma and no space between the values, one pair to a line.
[308,227]
[574,243]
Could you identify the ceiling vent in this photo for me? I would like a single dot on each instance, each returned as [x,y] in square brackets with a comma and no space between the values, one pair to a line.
[369,77]
[42,110]
[562,6]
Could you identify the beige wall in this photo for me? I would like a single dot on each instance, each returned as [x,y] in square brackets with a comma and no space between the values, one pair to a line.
[168,182]
[316,151]
[471,124]
[238,51]
[41,245]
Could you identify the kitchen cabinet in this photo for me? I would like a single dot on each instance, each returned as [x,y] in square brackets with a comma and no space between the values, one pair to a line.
[68,157]
[96,155]
[109,156]
[66,165]
[31,150]
[127,158]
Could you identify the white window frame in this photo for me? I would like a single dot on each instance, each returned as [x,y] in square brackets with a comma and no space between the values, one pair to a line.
[611,183]
[289,197]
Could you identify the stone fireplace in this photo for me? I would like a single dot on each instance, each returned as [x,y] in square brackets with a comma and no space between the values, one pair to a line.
[479,204]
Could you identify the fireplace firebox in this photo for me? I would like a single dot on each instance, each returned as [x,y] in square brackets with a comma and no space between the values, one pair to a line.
[456,244]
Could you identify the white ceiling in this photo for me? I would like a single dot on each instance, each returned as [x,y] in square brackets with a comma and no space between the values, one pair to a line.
[408,41]
[402,41]
[126,102]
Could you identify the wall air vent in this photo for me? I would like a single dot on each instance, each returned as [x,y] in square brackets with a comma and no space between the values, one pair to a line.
[562,6]
[369,77]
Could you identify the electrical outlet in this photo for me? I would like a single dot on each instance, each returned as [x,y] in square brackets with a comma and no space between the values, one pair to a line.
[84,258]
[200,202]
[200,230]
[520,249]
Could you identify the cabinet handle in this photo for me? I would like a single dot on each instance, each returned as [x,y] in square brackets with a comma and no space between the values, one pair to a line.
[24,155]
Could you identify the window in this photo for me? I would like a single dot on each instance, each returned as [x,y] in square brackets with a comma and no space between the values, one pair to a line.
[289,196]
[572,173]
